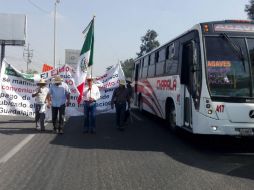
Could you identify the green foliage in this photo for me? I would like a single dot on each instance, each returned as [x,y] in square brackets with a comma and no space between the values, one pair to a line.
[249,9]
[149,42]
[128,66]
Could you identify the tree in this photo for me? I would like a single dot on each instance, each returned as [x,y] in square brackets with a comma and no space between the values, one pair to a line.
[249,9]
[149,42]
[128,66]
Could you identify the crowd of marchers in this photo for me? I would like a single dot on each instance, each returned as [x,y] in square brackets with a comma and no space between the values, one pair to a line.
[57,97]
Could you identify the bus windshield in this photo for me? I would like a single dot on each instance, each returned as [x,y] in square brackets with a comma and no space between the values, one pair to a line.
[228,70]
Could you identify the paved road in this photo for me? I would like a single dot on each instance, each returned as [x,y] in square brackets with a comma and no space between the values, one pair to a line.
[145,156]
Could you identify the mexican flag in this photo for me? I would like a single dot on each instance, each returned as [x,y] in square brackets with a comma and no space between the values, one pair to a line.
[85,59]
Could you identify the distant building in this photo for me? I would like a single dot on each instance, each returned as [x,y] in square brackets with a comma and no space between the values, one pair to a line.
[72,57]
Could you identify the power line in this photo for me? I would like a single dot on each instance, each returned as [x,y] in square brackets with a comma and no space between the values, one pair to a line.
[38,7]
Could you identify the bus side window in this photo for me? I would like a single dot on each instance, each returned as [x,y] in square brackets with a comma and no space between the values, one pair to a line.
[161,62]
[171,66]
[141,68]
[136,74]
[145,66]
[156,57]
[152,62]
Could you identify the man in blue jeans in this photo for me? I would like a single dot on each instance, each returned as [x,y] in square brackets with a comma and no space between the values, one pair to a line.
[59,96]
[90,95]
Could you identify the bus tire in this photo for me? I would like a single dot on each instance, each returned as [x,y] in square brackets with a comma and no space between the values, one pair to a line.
[171,116]
[140,104]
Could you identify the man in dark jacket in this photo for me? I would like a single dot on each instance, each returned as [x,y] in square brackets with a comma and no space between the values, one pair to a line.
[120,99]
[130,93]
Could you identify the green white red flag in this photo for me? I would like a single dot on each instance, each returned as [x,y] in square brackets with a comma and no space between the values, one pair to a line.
[85,59]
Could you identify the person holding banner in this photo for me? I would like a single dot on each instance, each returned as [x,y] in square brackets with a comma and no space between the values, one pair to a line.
[59,98]
[119,99]
[90,95]
[40,95]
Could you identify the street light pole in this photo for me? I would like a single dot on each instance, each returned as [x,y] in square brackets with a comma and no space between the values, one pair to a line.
[57,1]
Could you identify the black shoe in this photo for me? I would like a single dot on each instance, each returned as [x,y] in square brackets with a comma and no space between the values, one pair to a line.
[60,130]
[93,131]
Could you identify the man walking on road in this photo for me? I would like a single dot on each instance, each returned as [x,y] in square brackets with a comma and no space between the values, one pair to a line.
[119,99]
[40,104]
[90,96]
[130,94]
[59,94]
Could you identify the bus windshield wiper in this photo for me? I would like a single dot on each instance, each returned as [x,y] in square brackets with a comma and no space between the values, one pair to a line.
[236,47]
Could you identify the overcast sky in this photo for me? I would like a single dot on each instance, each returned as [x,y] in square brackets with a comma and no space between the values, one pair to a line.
[119,25]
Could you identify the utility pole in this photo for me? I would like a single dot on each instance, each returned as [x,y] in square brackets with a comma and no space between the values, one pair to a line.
[2,53]
[28,54]
[54,56]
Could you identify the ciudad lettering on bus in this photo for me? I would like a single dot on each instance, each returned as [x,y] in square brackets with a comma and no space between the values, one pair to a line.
[166,84]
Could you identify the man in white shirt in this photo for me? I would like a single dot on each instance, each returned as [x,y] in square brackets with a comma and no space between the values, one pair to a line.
[40,95]
[90,95]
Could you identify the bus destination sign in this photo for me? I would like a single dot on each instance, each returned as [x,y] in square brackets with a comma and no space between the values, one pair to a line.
[234,27]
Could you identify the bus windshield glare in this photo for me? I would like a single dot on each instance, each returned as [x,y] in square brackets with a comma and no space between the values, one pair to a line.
[228,69]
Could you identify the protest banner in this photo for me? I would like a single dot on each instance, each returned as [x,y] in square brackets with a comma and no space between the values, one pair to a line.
[16,89]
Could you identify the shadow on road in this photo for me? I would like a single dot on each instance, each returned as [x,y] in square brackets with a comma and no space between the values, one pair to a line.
[16,121]
[21,130]
[225,155]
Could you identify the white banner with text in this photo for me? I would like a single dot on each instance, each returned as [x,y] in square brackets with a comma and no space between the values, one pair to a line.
[16,90]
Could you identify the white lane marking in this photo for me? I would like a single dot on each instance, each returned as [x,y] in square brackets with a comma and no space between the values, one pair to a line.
[136,117]
[17,148]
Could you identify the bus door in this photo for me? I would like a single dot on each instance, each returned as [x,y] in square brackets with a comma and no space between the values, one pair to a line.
[187,57]
[191,78]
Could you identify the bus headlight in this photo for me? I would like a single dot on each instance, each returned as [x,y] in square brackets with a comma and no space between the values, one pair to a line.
[214,128]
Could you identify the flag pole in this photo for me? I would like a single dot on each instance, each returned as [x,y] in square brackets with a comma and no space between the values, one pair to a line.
[91,70]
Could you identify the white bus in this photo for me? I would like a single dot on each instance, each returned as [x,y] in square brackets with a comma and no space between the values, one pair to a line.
[201,81]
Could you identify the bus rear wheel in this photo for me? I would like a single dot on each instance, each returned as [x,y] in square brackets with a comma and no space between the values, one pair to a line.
[171,117]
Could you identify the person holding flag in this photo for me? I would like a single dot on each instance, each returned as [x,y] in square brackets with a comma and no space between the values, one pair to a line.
[85,59]
[90,95]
